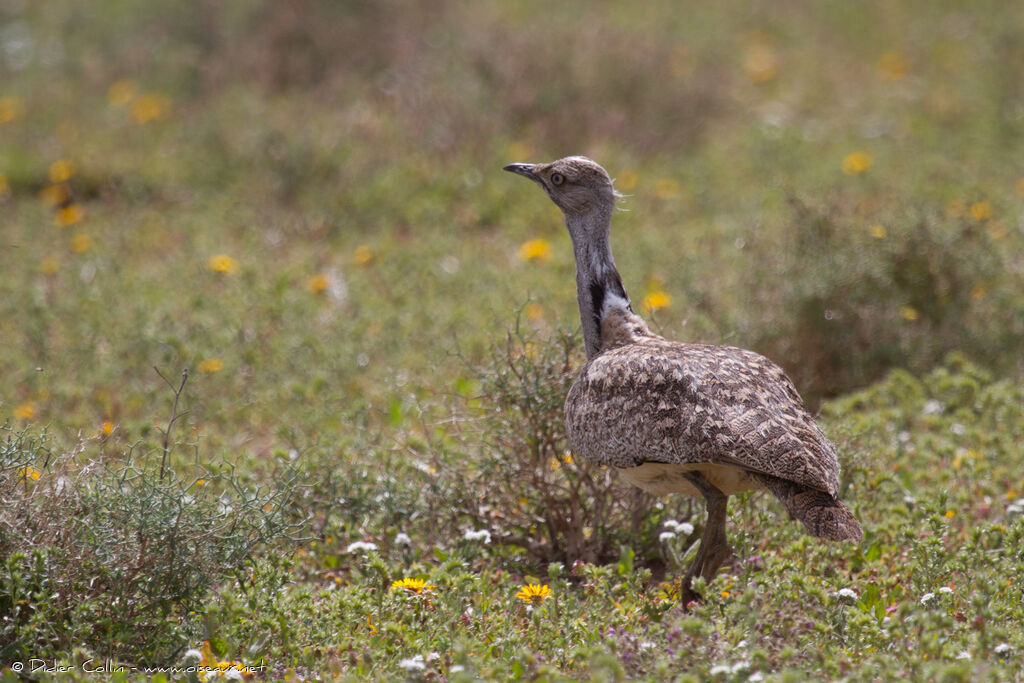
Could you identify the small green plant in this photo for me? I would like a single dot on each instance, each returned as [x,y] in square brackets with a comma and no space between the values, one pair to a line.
[116,556]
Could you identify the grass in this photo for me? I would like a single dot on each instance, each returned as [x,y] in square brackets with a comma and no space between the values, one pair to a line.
[305,209]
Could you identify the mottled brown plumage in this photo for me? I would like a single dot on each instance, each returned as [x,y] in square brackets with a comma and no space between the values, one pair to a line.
[674,417]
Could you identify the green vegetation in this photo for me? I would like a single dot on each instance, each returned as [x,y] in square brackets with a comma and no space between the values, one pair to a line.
[365,475]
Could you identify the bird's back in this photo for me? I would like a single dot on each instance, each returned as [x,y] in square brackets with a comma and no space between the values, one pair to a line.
[657,401]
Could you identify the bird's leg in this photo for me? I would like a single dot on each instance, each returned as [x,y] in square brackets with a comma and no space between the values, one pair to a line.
[714,548]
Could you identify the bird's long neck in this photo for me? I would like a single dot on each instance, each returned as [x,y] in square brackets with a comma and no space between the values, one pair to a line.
[598,285]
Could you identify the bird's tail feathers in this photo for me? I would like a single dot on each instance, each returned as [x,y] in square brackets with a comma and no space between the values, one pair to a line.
[822,514]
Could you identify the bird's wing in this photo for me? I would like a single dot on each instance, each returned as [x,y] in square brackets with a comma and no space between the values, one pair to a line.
[661,401]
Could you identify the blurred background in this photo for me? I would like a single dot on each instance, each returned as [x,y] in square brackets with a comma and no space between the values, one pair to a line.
[305,197]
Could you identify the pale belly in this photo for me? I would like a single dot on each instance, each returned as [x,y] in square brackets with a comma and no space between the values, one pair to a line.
[663,478]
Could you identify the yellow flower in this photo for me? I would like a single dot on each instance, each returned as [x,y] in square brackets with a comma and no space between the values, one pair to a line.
[856,163]
[69,215]
[981,210]
[222,263]
[150,107]
[49,265]
[362,255]
[657,300]
[761,62]
[909,313]
[54,195]
[534,311]
[892,66]
[414,586]
[626,180]
[535,250]
[878,231]
[61,171]
[121,92]
[5,186]
[26,411]
[666,188]
[725,594]
[534,594]
[11,109]
[317,284]
[211,365]
[28,472]
[81,243]
[106,428]
[950,514]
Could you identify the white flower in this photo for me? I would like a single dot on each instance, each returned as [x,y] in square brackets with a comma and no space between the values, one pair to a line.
[685,528]
[481,535]
[647,645]
[964,654]
[1002,648]
[192,656]
[232,674]
[666,536]
[720,669]
[847,593]
[361,547]
[456,668]
[958,429]
[402,538]
[414,664]
[931,407]
[740,666]
[755,677]
[946,590]
[909,499]
[927,597]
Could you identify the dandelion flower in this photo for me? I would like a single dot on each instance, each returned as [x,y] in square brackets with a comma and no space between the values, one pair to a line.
[981,210]
[317,284]
[121,92]
[29,472]
[761,62]
[950,514]
[211,365]
[26,411]
[150,107]
[11,109]
[893,66]
[61,171]
[909,313]
[413,586]
[878,231]
[534,594]
[107,428]
[856,163]
[81,243]
[535,250]
[222,263]
[69,215]
[362,255]
[657,300]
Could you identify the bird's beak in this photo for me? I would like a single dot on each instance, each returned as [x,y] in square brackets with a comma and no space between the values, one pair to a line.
[522,169]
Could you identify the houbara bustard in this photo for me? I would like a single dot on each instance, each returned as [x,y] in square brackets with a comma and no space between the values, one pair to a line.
[674,417]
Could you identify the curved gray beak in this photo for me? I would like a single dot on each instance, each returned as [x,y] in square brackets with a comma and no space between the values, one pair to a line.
[522,169]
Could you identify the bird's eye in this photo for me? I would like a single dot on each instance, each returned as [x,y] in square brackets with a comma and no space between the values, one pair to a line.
[557,178]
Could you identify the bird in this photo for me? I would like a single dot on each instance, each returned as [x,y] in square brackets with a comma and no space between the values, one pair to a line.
[675,417]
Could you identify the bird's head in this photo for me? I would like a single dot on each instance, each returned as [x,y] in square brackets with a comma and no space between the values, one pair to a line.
[577,185]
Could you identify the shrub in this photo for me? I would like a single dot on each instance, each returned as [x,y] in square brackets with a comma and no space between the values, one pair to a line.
[853,293]
[525,485]
[114,557]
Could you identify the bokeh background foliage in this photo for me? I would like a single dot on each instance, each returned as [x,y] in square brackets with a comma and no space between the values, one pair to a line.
[302,203]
